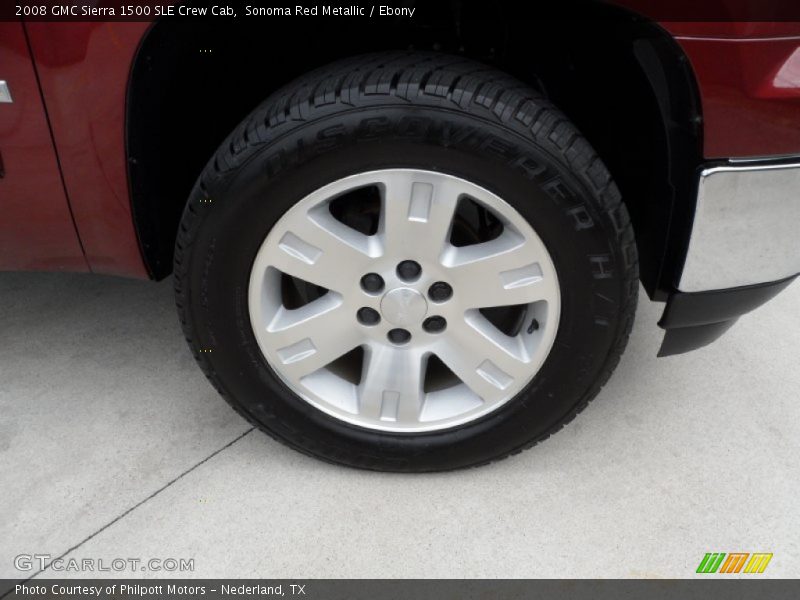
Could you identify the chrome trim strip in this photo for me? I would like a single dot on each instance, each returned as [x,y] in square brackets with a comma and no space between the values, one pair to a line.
[779,160]
[746,227]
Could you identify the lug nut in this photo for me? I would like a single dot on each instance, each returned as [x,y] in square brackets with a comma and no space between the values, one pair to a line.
[368,316]
[440,291]
[408,270]
[399,336]
[372,283]
[434,324]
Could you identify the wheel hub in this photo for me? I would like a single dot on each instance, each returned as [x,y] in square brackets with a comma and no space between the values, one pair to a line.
[404,307]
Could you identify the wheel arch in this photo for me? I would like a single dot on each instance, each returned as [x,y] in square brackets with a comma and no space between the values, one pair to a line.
[622,79]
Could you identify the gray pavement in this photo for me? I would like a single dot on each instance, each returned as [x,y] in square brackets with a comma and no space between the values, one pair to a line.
[113,445]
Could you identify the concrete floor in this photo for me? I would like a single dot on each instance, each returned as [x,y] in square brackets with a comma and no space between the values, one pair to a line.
[112,444]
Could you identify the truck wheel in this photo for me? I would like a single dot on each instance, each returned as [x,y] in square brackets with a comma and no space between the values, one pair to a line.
[406,262]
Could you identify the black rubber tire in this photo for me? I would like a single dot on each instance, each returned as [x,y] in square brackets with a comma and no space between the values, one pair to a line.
[428,111]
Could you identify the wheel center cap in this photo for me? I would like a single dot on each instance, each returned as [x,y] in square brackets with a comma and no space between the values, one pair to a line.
[403,306]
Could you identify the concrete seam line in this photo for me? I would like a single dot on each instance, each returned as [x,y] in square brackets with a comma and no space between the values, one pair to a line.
[138,504]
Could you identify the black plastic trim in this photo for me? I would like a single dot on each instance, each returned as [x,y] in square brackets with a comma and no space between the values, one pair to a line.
[695,319]
[686,339]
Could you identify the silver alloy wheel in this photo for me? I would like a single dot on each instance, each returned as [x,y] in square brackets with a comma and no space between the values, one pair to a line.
[487,366]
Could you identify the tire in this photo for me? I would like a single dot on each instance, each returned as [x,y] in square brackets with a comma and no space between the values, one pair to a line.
[405,111]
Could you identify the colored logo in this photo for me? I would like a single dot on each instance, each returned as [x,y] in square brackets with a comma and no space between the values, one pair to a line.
[734,562]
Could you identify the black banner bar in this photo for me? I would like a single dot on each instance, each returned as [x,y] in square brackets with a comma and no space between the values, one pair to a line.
[401,589]
[239,10]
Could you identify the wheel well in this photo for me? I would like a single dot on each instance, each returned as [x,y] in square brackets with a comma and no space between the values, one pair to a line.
[623,81]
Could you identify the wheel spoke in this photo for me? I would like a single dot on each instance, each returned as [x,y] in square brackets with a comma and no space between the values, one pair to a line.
[311,337]
[487,361]
[502,272]
[319,249]
[391,386]
[416,214]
